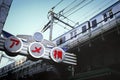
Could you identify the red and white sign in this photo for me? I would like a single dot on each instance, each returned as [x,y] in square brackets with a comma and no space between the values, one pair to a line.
[13,44]
[57,54]
[36,50]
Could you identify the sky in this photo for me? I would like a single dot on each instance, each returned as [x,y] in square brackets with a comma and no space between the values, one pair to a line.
[29,16]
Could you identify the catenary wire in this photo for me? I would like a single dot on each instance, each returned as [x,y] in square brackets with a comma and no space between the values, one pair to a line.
[74,7]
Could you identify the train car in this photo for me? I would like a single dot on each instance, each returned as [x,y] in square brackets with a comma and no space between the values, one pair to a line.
[79,33]
[105,20]
[98,24]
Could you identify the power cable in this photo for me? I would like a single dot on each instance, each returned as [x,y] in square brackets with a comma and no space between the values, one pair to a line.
[64,9]
[97,10]
[74,7]
[68,6]
[57,4]
[66,18]
[69,9]
[74,11]
[84,6]
[80,8]
[62,26]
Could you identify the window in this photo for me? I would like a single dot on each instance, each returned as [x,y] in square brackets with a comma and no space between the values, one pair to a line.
[73,34]
[84,29]
[94,23]
[60,41]
[63,39]
[110,13]
[105,17]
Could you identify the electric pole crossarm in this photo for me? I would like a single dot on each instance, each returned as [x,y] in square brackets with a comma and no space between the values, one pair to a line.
[63,22]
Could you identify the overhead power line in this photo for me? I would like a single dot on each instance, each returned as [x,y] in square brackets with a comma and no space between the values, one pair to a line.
[63,22]
[97,9]
[62,26]
[68,6]
[60,15]
[74,7]
[71,9]
[57,4]
[80,8]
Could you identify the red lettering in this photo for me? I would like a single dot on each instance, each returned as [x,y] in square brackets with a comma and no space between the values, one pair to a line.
[58,54]
[14,42]
[37,50]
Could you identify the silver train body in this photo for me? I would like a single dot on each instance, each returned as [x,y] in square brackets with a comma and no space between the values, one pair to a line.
[104,21]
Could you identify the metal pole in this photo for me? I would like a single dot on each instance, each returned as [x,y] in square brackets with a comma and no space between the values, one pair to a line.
[0,56]
[73,70]
[51,25]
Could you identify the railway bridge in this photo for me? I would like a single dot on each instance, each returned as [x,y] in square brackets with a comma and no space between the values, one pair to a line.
[97,59]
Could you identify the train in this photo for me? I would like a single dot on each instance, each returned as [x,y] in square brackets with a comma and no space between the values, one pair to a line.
[100,23]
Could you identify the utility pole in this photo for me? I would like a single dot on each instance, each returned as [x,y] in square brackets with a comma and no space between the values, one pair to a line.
[51,24]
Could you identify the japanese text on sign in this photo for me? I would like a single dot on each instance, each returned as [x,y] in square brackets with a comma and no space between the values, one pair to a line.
[36,50]
[57,54]
[13,44]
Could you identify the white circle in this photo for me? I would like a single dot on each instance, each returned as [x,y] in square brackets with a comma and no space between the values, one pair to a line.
[38,36]
[58,59]
[36,54]
[12,44]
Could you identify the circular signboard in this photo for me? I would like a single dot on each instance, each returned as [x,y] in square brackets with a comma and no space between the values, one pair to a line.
[38,36]
[36,50]
[57,54]
[13,44]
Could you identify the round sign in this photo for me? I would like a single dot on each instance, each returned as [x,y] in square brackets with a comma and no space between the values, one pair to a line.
[13,44]
[36,50]
[57,54]
[38,36]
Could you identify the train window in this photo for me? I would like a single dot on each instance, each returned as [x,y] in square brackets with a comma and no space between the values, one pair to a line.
[75,33]
[58,42]
[63,39]
[71,34]
[94,23]
[84,29]
[110,13]
[105,17]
